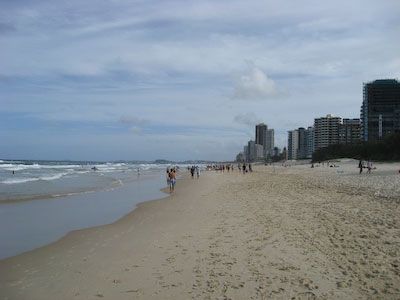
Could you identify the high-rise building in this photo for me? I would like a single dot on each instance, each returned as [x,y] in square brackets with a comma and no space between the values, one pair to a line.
[246,153]
[265,137]
[349,131]
[310,141]
[240,157]
[276,152]
[261,130]
[302,150]
[304,146]
[269,143]
[259,150]
[293,144]
[254,151]
[380,111]
[326,131]
[284,153]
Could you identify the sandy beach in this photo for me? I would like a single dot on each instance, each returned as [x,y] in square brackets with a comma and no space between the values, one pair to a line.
[277,233]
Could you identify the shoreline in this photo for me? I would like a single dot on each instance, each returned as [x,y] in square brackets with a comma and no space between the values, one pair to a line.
[75,233]
[78,231]
[274,233]
[47,220]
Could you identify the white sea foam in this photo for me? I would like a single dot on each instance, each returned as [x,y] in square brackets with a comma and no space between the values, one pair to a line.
[59,166]
[53,177]
[47,172]
[19,167]
[6,165]
[29,179]
[18,180]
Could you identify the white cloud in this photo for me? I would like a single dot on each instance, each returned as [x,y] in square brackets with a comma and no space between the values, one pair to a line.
[254,85]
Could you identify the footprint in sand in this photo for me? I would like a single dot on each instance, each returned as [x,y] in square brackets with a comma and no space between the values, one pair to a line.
[305,296]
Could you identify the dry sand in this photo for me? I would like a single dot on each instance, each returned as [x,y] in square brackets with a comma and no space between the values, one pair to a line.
[278,233]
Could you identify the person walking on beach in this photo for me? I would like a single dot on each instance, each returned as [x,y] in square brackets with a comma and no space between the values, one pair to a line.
[192,171]
[250,168]
[369,167]
[244,168]
[172,178]
[168,180]
[360,165]
[197,172]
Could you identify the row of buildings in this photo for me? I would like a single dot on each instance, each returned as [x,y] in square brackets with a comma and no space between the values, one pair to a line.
[302,142]
[261,148]
[380,116]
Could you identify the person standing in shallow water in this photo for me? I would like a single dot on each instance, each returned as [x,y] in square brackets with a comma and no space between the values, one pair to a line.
[172,178]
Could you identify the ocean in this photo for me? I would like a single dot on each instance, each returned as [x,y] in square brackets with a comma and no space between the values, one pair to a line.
[41,201]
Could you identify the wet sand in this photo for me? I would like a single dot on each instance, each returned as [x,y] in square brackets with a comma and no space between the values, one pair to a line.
[278,233]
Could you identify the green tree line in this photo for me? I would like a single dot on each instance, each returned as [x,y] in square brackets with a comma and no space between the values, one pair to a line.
[383,150]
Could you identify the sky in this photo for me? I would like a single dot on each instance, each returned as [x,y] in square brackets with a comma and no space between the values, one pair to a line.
[179,80]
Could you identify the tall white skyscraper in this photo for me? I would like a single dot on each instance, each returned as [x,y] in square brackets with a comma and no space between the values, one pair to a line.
[269,143]
[293,144]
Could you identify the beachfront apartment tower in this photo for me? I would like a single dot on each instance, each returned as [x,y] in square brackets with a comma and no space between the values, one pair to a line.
[259,150]
[380,110]
[293,144]
[261,130]
[253,151]
[246,153]
[326,131]
[310,141]
[269,143]
[349,131]
[240,157]
[302,150]
[265,137]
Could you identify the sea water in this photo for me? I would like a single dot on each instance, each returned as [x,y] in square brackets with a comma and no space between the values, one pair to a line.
[42,201]
[23,180]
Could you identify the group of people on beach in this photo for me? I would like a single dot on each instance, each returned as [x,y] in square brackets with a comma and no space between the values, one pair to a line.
[220,167]
[171,178]
[246,168]
[361,166]
[241,167]
[194,170]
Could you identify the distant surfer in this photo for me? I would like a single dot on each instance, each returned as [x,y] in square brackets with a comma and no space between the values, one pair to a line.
[94,169]
[138,172]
